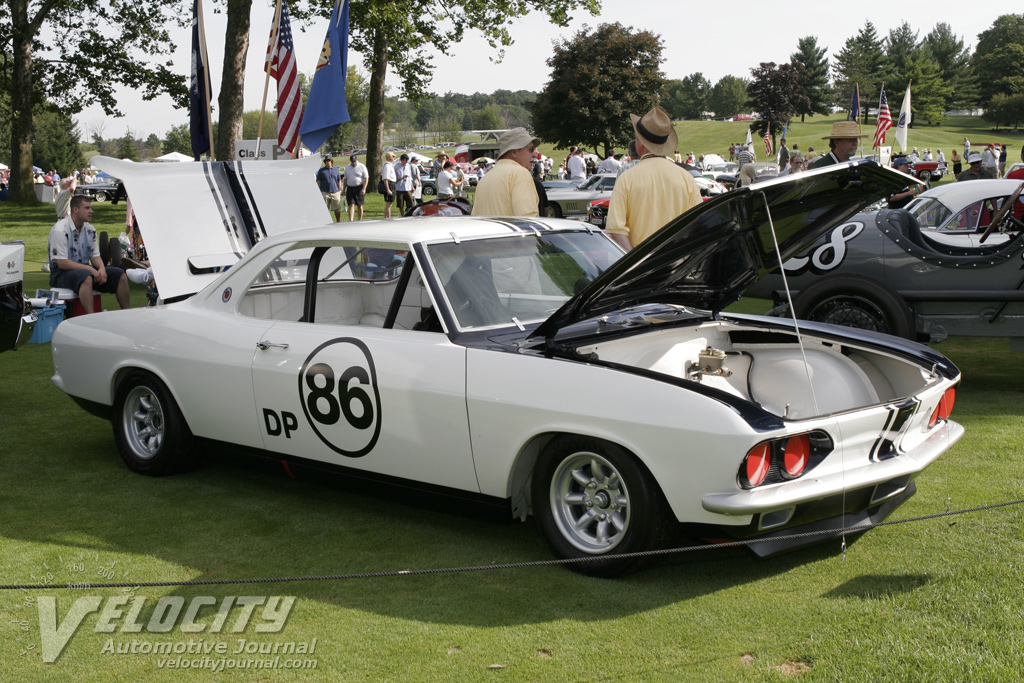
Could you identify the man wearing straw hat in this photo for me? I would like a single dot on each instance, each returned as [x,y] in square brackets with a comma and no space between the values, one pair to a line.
[842,143]
[508,188]
[656,190]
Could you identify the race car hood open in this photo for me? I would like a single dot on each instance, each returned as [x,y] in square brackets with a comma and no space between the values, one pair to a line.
[706,257]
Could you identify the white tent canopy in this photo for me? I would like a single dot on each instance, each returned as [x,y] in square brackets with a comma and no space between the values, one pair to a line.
[3,166]
[174,156]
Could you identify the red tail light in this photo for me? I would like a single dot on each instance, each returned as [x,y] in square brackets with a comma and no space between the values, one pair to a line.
[794,460]
[757,462]
[945,407]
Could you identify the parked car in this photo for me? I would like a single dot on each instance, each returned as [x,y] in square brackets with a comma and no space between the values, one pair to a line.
[947,264]
[573,201]
[562,184]
[927,170]
[17,319]
[597,210]
[530,365]
[100,191]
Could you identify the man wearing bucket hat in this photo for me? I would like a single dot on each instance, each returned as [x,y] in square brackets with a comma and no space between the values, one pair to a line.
[656,190]
[508,188]
[842,143]
[976,170]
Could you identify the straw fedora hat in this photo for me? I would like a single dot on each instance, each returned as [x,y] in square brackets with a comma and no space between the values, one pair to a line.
[656,131]
[844,129]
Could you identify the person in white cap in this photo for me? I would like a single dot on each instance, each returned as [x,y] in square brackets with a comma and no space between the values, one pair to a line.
[976,171]
[656,190]
[508,188]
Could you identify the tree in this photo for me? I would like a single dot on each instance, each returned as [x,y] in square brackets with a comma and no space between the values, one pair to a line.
[931,94]
[232,79]
[728,96]
[56,140]
[954,63]
[488,118]
[687,98]
[1005,109]
[357,91]
[178,139]
[774,95]
[861,63]
[126,147]
[597,79]
[400,35]
[101,44]
[998,59]
[813,72]
[898,45]
[515,116]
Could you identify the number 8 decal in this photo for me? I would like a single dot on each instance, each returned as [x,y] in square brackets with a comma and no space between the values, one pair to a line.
[343,410]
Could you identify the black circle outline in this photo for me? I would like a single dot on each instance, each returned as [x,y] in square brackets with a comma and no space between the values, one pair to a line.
[373,382]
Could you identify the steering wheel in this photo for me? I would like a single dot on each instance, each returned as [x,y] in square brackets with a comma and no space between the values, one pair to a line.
[999,215]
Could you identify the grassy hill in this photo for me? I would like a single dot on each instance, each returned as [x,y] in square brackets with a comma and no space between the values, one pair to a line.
[703,137]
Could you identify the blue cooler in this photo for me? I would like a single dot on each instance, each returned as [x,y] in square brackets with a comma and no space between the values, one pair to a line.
[49,318]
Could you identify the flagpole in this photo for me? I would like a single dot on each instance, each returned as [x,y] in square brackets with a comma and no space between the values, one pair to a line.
[276,28]
[206,75]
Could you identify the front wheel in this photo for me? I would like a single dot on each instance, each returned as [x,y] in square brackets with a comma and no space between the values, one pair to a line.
[149,429]
[100,197]
[594,499]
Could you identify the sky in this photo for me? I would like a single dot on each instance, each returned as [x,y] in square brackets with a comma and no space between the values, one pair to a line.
[696,36]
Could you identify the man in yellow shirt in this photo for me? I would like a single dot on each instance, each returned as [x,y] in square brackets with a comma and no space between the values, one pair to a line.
[508,188]
[654,191]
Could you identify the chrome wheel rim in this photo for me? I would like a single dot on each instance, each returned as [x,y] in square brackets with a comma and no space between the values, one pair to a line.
[590,503]
[143,419]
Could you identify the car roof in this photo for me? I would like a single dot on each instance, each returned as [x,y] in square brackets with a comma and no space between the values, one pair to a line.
[957,194]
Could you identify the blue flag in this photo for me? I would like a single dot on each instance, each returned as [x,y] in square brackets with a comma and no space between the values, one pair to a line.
[199,87]
[855,105]
[326,108]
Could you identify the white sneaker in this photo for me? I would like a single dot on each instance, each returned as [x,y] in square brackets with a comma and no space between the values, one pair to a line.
[140,276]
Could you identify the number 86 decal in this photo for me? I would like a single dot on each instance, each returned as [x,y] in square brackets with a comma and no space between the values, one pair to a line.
[343,408]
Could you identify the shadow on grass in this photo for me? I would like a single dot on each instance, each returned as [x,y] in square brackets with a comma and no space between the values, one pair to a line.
[875,586]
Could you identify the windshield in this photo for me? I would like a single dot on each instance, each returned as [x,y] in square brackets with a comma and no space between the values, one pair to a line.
[930,213]
[590,183]
[489,282]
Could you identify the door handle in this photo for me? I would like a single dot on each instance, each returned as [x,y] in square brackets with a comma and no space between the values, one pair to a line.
[263,345]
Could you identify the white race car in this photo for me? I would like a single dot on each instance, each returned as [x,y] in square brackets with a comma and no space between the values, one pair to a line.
[17,320]
[531,365]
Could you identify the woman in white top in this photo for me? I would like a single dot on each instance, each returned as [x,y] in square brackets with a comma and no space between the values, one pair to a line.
[387,182]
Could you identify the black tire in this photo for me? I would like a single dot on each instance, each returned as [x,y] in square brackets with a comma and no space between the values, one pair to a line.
[855,301]
[104,247]
[554,211]
[627,509]
[100,196]
[925,175]
[429,190]
[115,253]
[149,429]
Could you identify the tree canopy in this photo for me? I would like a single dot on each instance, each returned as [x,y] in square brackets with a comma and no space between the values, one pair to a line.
[861,62]
[998,59]
[774,93]
[101,45]
[813,74]
[598,78]
[728,96]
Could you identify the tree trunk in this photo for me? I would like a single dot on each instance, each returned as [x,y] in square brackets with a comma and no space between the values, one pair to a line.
[232,83]
[375,116]
[21,186]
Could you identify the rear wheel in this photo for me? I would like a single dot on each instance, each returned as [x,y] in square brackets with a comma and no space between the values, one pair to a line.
[554,211]
[925,175]
[100,196]
[858,302]
[149,429]
[594,499]
[429,190]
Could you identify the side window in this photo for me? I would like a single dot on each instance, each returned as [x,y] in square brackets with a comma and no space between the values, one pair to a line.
[354,283]
[966,219]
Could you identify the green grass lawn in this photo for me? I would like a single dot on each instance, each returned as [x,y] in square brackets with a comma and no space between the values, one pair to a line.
[929,601]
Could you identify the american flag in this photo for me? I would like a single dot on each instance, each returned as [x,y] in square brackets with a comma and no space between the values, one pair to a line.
[884,120]
[280,64]
[768,141]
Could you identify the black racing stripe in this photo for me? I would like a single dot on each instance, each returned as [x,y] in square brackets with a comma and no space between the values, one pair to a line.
[259,225]
[242,207]
[208,171]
